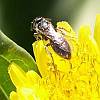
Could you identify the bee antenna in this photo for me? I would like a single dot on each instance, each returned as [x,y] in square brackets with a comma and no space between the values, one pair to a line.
[31,27]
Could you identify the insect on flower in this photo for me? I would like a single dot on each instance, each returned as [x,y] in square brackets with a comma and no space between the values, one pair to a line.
[46,30]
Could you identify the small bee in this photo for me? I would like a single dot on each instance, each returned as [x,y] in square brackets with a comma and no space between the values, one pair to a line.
[45,28]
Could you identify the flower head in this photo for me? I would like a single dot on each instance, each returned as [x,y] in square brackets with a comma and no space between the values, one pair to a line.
[77,78]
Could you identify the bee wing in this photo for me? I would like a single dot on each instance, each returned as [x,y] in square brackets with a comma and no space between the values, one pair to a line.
[65,33]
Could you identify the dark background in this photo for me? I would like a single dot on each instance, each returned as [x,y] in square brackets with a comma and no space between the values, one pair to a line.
[16,15]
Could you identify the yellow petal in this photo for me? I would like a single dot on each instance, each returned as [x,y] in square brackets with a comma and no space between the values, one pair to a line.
[87,41]
[65,26]
[42,58]
[33,77]
[17,75]
[13,96]
[97,30]
[26,94]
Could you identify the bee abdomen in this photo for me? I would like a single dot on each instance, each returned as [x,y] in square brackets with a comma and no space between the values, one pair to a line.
[62,50]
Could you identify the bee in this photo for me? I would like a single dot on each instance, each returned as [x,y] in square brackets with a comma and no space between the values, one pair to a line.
[44,27]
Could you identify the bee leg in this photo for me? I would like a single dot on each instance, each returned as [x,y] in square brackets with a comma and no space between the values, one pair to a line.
[48,44]
[52,65]
[37,36]
[50,54]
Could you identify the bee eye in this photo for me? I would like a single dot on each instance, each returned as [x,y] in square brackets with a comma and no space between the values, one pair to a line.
[43,25]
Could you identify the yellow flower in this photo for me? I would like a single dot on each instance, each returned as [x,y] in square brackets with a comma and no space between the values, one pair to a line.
[77,78]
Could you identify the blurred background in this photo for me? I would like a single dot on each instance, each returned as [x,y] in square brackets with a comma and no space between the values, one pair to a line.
[16,15]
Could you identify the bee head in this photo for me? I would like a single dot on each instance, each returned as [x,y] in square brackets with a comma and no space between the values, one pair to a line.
[40,24]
